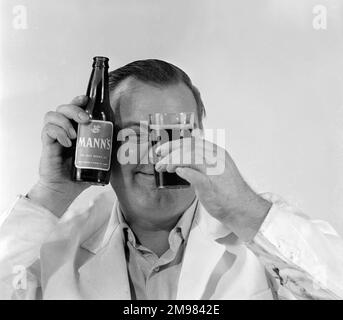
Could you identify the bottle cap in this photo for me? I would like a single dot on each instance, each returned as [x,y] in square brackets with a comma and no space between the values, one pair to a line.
[100,61]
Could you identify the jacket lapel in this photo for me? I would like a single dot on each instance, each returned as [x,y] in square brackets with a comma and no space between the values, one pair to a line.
[105,275]
[202,254]
[78,266]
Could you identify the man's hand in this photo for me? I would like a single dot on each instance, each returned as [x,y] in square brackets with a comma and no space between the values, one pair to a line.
[226,196]
[55,190]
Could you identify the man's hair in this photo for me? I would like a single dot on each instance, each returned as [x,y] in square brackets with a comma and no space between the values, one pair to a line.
[157,72]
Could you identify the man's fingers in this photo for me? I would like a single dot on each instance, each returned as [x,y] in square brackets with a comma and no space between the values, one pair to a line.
[73,112]
[170,146]
[57,124]
[186,144]
[79,100]
[180,157]
[60,120]
[194,177]
[188,151]
[51,133]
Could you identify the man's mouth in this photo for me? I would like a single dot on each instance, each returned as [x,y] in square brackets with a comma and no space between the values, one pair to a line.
[150,173]
[147,177]
[146,170]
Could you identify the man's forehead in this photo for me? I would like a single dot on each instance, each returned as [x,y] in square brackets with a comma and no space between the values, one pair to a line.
[134,100]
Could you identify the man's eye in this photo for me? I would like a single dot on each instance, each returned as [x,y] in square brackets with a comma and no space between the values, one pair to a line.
[138,138]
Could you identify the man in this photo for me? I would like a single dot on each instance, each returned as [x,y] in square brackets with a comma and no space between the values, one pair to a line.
[216,240]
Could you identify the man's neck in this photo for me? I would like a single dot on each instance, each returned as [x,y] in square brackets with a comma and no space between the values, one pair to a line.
[154,234]
[156,241]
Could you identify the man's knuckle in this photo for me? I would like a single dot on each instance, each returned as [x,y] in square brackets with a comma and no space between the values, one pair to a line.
[60,107]
[59,135]
[46,128]
[48,115]
[64,121]
[77,99]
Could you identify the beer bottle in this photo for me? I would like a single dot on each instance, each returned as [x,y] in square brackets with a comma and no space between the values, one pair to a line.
[92,156]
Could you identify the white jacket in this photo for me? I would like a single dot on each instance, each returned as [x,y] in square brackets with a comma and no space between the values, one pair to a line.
[291,257]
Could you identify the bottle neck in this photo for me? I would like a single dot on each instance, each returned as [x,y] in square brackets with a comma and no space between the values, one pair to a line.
[98,80]
[97,91]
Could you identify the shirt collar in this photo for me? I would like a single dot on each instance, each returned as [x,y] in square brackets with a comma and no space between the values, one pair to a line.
[183,225]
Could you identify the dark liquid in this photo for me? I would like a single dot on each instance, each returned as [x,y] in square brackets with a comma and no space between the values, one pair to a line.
[165,179]
[170,180]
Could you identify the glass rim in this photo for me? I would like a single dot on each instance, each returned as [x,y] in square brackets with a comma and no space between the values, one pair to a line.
[170,113]
[171,117]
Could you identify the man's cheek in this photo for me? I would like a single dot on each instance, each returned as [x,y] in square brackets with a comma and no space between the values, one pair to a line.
[127,147]
[128,153]
[124,171]
[143,153]
[133,153]
[122,178]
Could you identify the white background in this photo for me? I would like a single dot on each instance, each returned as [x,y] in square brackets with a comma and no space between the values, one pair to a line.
[266,75]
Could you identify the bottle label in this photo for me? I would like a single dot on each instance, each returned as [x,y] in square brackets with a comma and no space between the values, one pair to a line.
[94,145]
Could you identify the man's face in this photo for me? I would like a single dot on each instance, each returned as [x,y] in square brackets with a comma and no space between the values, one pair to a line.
[134,184]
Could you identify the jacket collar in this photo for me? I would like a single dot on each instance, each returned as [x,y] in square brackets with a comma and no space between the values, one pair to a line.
[209,225]
[107,270]
[105,275]
[205,248]
[101,237]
